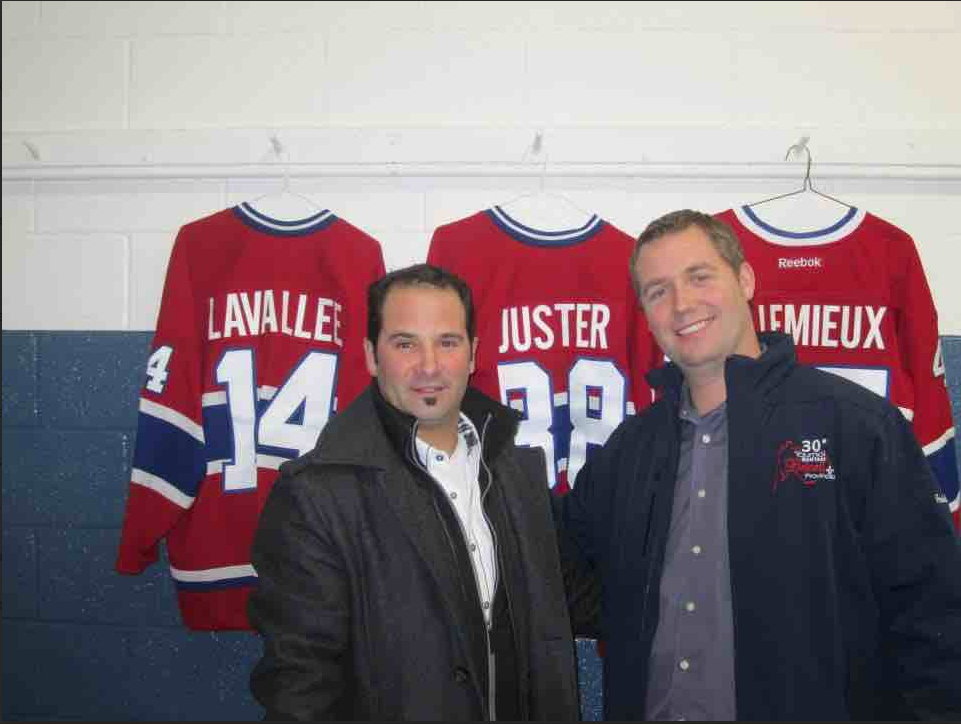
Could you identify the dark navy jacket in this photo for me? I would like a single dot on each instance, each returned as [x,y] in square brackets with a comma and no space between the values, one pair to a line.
[845,566]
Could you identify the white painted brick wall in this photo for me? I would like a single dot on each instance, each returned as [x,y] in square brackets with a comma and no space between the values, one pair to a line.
[370,98]
[124,205]
[149,255]
[67,281]
[67,84]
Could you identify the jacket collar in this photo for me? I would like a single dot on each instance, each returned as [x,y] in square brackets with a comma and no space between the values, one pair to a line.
[350,438]
[496,423]
[741,374]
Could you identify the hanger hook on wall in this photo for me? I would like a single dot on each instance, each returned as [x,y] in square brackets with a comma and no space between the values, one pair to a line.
[279,150]
[535,149]
[802,145]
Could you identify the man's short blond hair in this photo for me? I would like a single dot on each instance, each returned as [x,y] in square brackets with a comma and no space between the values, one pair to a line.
[720,234]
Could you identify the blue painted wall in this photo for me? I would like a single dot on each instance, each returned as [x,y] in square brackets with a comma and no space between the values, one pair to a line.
[81,642]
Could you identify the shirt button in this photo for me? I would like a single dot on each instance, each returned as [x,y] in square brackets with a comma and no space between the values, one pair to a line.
[701,493]
[473,547]
[705,438]
[683,665]
[439,458]
[453,496]
[487,604]
[689,605]
[696,550]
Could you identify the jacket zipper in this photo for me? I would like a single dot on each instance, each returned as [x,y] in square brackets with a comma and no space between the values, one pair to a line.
[491,688]
[650,574]
[491,663]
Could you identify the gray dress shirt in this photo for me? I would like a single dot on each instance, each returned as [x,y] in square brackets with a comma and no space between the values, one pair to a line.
[692,659]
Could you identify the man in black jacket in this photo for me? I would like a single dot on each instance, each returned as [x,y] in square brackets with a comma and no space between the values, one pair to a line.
[771,541]
[407,566]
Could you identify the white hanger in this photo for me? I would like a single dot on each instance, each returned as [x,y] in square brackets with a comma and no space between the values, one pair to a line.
[284,205]
[805,209]
[541,209]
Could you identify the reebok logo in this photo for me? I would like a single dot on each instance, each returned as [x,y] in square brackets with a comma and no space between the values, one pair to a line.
[812,262]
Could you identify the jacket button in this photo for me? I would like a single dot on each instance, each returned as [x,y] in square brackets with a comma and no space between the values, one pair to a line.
[460,675]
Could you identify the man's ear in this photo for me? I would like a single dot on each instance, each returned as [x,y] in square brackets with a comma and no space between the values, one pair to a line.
[473,355]
[370,357]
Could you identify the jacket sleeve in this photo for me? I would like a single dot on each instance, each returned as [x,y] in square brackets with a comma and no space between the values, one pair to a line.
[300,608]
[915,559]
[580,517]
[581,582]
[581,585]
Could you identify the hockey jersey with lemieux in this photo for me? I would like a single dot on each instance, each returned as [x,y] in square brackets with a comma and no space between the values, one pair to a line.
[258,342]
[561,338]
[856,300]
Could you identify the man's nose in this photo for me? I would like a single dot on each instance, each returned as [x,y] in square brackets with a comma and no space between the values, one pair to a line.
[428,359]
[683,297]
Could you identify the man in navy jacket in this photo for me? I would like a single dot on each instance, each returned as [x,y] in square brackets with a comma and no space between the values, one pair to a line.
[770,541]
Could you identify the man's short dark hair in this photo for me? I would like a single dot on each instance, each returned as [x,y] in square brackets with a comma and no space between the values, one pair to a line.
[720,234]
[412,276]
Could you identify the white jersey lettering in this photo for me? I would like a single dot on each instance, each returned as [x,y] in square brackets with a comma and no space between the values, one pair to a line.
[825,325]
[249,314]
[578,325]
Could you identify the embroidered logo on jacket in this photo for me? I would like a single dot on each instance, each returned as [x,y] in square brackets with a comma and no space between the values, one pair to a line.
[807,462]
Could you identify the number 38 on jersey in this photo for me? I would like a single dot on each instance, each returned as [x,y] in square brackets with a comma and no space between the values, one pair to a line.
[566,424]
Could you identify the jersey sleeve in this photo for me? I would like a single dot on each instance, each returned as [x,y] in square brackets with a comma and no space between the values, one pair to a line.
[169,460]
[922,358]
[352,375]
[436,250]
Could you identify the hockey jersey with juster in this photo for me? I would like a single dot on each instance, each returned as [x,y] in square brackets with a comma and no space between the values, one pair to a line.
[560,336]
[856,300]
[258,341]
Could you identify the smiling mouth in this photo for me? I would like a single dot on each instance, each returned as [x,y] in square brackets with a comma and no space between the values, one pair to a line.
[428,390]
[692,328]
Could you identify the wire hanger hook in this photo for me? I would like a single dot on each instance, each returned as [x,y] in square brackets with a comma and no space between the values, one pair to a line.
[802,145]
[537,149]
[279,150]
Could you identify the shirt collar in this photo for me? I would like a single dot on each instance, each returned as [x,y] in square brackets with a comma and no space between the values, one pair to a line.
[688,412]
[468,443]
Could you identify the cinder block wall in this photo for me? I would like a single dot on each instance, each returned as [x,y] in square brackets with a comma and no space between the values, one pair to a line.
[124,120]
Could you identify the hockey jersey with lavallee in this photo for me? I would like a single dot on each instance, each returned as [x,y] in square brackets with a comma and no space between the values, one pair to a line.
[856,300]
[258,342]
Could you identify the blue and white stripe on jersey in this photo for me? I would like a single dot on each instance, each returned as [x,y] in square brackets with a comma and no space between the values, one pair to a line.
[537,237]
[276,227]
[170,459]
[840,229]
[210,579]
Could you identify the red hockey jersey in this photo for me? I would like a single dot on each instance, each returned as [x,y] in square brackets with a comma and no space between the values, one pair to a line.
[258,341]
[856,300]
[561,337]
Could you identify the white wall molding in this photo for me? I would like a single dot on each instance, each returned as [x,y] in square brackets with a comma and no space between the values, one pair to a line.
[481,152]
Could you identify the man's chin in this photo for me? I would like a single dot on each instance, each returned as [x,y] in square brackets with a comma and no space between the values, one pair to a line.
[429,409]
[693,363]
